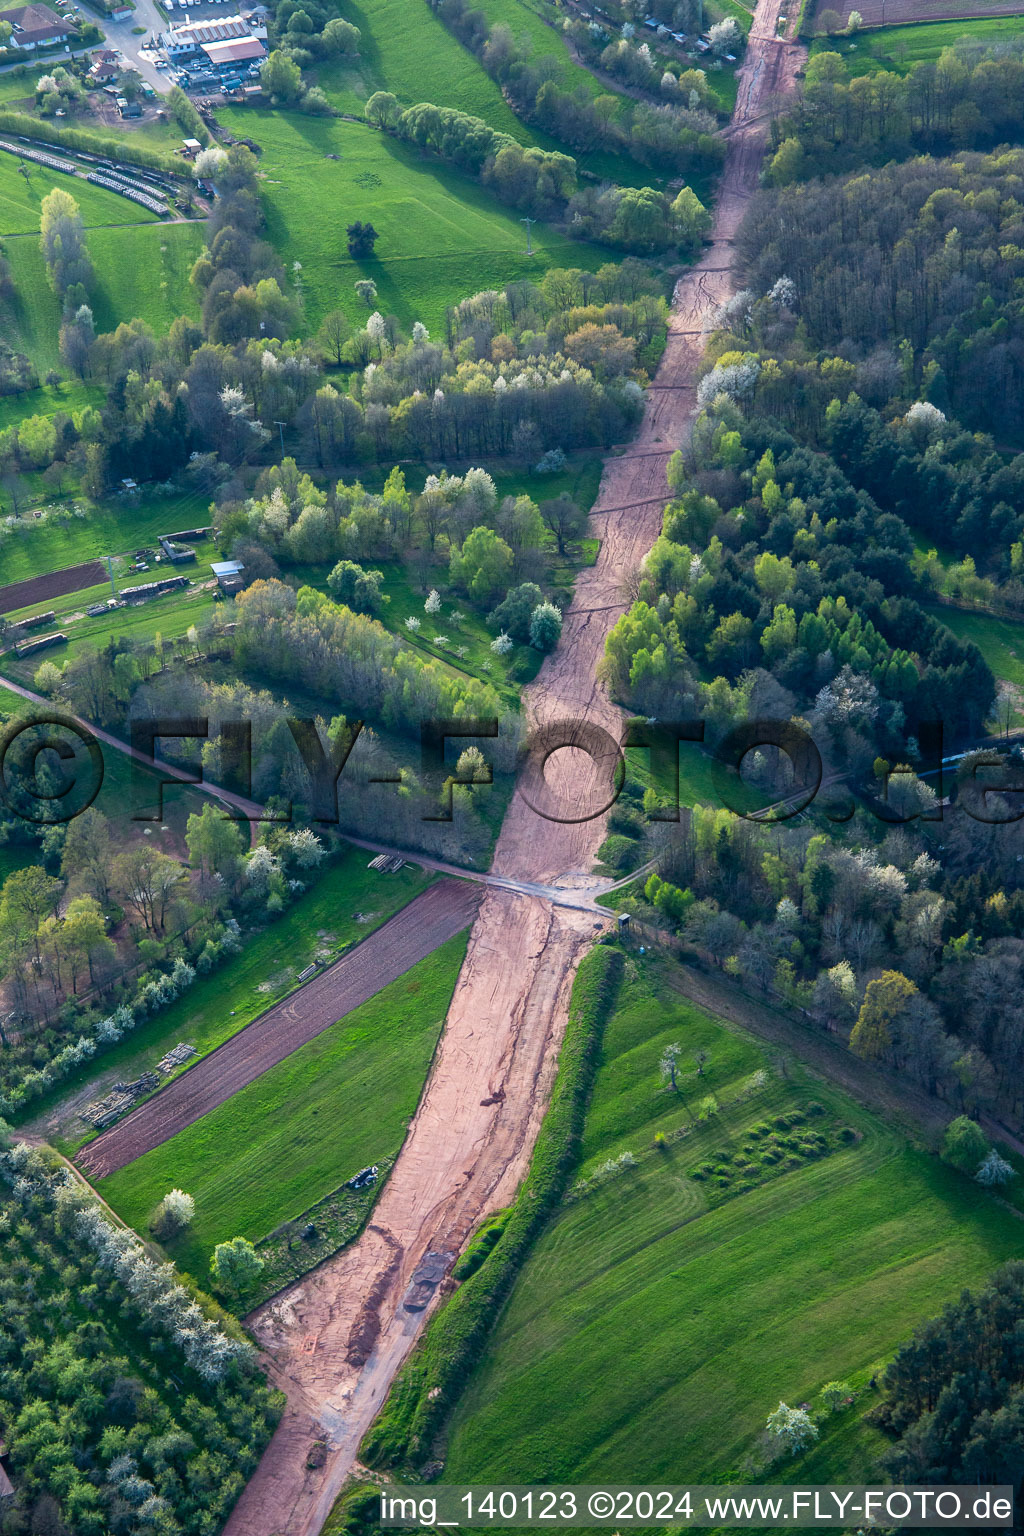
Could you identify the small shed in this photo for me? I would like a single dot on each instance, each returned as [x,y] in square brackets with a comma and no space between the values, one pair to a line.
[229,575]
[191,147]
[6,1486]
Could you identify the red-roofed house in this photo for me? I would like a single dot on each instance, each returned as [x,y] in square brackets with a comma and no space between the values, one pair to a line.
[35,26]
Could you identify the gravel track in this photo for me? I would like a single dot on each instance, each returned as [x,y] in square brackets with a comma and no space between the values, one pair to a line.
[438,914]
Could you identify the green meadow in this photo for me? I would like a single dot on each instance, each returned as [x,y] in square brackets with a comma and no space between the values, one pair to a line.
[1000,641]
[407,49]
[656,1312]
[343,905]
[141,273]
[900,48]
[272,1150]
[442,237]
[21,199]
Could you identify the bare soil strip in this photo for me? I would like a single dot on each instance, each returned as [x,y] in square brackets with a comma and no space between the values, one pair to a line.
[41,589]
[438,914]
[466,1154]
[894,13]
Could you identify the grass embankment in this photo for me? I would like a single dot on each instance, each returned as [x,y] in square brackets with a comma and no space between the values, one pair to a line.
[338,1103]
[429,1384]
[408,50]
[21,198]
[345,904]
[660,1317]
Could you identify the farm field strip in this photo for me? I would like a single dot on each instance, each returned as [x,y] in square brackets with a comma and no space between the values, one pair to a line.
[891,13]
[437,915]
[339,909]
[282,1143]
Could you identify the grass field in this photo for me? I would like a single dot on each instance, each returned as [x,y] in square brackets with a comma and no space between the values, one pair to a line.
[1000,641]
[21,199]
[408,50]
[48,399]
[114,526]
[442,237]
[644,1319]
[141,272]
[339,1103]
[898,49]
[345,904]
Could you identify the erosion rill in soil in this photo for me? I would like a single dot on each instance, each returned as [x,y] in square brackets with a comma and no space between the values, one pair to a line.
[337,1337]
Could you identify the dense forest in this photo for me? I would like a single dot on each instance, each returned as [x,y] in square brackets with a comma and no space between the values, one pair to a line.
[922,254]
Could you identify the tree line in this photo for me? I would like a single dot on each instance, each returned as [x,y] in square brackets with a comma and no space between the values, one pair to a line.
[642,220]
[678,139]
[970,98]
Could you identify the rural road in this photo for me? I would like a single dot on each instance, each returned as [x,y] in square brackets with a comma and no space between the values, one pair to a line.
[433,917]
[469,1144]
[119,34]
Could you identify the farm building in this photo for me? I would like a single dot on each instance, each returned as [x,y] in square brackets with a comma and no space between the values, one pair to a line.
[35,26]
[235,52]
[229,576]
[177,554]
[29,647]
[187,42]
[150,589]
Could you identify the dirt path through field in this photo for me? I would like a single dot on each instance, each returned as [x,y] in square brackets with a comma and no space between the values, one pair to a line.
[337,1337]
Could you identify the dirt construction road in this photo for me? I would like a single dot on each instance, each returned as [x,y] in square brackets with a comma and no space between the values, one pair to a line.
[438,914]
[337,1337]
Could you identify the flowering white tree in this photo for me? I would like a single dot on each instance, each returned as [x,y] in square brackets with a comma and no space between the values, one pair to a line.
[782,293]
[306,848]
[736,380]
[209,163]
[472,765]
[502,645]
[725,36]
[995,1170]
[420,334]
[151,1289]
[413,624]
[433,602]
[793,1428]
[260,866]
[173,1214]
